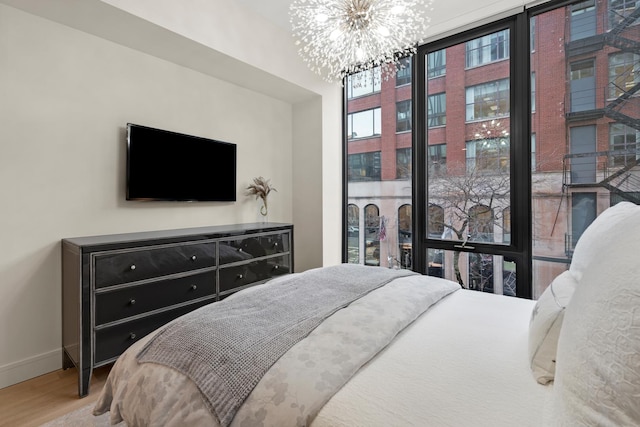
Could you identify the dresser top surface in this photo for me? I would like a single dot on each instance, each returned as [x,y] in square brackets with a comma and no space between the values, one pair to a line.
[196,233]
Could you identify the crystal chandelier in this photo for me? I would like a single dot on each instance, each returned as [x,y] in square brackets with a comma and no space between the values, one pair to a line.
[341,37]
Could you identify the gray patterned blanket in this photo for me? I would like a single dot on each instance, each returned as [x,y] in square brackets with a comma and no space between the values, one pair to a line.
[226,348]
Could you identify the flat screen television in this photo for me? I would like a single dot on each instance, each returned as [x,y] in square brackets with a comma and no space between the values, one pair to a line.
[164,165]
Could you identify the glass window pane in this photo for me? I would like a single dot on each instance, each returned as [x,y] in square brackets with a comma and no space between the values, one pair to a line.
[403,75]
[437,110]
[586,157]
[436,63]
[469,154]
[365,124]
[380,170]
[488,100]
[353,234]
[487,49]
[405,227]
[475,271]
[372,235]
[403,116]
[363,83]
[468,171]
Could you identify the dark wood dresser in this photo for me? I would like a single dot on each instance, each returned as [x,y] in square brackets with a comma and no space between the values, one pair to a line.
[118,288]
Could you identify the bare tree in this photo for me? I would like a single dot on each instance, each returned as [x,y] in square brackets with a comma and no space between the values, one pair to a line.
[473,203]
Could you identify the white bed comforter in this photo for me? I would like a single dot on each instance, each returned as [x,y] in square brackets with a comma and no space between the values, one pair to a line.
[462,362]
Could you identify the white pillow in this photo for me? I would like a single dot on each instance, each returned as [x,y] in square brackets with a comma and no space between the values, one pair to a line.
[545,324]
[597,236]
[597,378]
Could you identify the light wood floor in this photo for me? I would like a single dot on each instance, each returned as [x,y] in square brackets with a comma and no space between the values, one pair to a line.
[42,399]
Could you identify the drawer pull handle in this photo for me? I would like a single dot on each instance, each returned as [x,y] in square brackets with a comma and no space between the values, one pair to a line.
[193,258]
[239,249]
[194,287]
[132,336]
[133,301]
[133,267]
[275,267]
[240,276]
[275,245]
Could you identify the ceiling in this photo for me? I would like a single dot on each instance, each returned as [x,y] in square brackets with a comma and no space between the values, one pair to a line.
[276,11]
[445,14]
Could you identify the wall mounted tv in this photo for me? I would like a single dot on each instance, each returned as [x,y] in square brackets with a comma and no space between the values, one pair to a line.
[164,165]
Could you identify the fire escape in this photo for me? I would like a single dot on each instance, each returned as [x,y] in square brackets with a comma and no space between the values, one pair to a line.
[616,170]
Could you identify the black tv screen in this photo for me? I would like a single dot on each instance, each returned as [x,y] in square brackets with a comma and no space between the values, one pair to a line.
[164,165]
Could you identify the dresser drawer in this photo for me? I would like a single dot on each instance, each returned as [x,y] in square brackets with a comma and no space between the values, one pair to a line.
[140,299]
[237,276]
[235,250]
[255,271]
[277,266]
[112,341]
[145,263]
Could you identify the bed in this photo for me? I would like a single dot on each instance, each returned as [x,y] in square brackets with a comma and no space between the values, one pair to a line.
[414,350]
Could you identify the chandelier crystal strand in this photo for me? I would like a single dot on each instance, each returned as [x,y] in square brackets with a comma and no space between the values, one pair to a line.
[341,37]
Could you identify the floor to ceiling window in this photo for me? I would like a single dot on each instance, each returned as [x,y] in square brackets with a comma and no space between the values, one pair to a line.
[468,151]
[587,157]
[510,141]
[379,170]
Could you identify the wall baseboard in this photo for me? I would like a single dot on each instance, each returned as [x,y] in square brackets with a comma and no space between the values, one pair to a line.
[30,367]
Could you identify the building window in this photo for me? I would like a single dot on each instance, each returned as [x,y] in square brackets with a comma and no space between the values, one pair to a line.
[533,92]
[582,86]
[403,76]
[490,48]
[532,34]
[403,116]
[623,144]
[624,73]
[488,100]
[353,234]
[365,124]
[533,152]
[583,7]
[583,213]
[437,159]
[583,20]
[620,9]
[364,166]
[488,155]
[403,163]
[582,146]
[372,235]
[364,83]
[436,63]
[437,110]
[435,221]
[481,223]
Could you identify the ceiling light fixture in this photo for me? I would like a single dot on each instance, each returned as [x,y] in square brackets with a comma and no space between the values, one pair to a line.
[341,37]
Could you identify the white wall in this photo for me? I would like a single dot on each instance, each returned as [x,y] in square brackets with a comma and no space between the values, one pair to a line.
[66,98]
